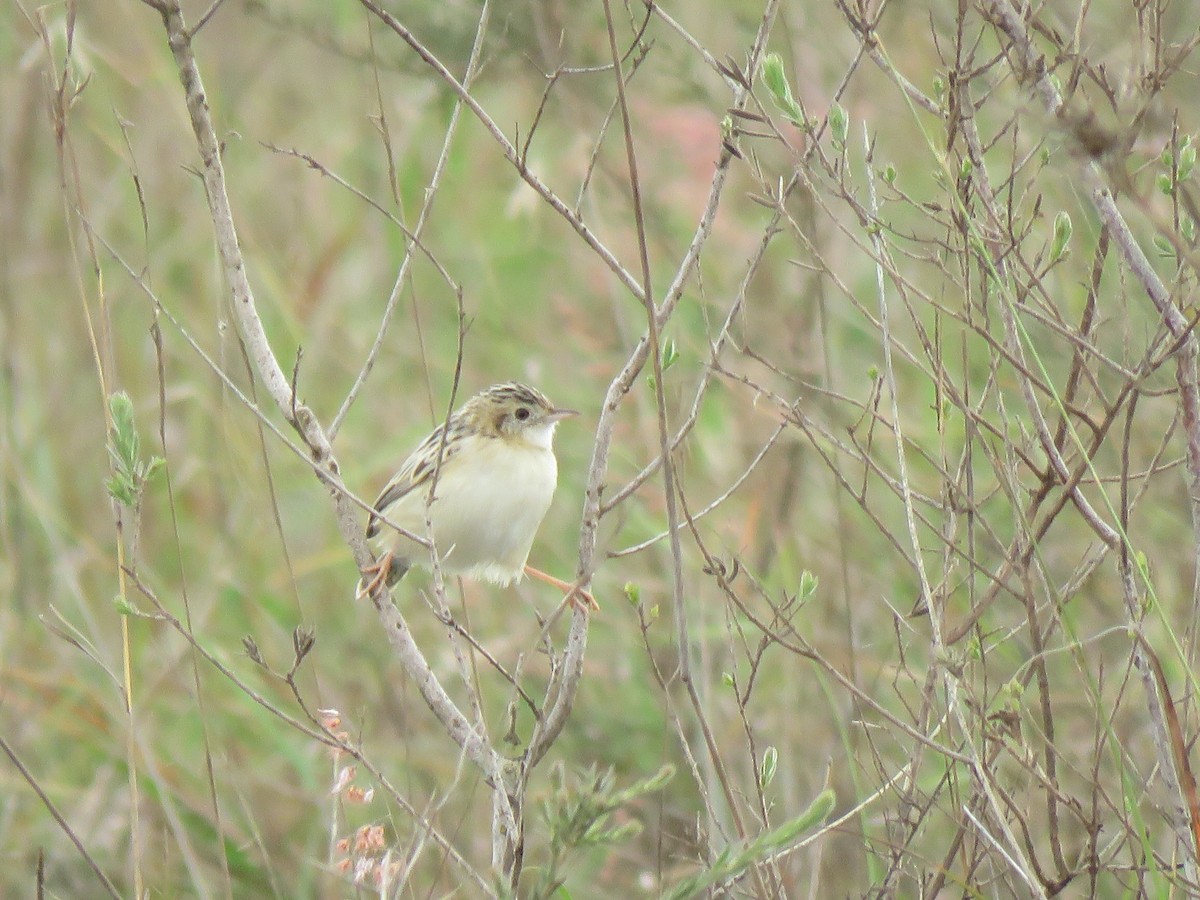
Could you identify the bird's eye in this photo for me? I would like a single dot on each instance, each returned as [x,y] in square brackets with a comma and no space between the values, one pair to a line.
[522,413]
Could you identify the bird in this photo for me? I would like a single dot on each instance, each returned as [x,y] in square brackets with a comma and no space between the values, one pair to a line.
[496,478]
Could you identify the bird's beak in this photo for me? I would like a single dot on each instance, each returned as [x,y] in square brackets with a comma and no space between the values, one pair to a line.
[559,414]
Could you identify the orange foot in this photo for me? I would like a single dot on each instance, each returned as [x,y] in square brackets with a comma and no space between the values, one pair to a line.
[578,597]
[379,572]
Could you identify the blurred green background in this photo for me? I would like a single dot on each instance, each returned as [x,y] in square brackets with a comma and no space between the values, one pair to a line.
[247,536]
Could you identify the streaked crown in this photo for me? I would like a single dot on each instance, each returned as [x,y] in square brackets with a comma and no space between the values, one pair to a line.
[508,409]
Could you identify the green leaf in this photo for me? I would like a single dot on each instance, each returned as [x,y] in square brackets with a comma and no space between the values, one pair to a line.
[670,354]
[1187,161]
[659,779]
[1062,235]
[121,490]
[731,863]
[578,811]
[124,436]
[808,582]
[974,649]
[1011,694]
[775,78]
[124,607]
[152,467]
[612,835]
[121,408]
[129,471]
[839,123]
[770,763]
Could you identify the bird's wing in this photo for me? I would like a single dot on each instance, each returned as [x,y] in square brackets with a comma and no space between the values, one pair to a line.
[416,471]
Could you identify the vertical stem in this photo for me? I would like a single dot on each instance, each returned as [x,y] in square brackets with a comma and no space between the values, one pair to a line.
[130,741]
[508,822]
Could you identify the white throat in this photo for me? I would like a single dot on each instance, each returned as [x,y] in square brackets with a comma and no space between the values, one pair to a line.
[541,436]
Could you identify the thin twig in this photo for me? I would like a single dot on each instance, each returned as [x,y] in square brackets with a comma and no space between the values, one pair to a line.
[58,817]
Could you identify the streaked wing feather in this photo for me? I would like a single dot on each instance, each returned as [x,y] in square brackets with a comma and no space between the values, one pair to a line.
[416,471]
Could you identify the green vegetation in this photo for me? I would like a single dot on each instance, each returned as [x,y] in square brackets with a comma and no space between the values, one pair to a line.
[926,620]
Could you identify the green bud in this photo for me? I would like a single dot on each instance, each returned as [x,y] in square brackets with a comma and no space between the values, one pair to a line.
[152,466]
[669,355]
[130,472]
[124,607]
[1062,235]
[839,123]
[775,78]
[808,584]
[1012,692]
[1187,162]
[121,490]
[614,835]
[770,762]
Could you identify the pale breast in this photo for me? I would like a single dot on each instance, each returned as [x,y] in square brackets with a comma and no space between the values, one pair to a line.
[486,512]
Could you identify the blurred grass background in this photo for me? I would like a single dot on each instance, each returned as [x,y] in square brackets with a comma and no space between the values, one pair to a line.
[258,555]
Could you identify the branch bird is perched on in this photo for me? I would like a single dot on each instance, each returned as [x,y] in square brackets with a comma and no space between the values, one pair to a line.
[496,480]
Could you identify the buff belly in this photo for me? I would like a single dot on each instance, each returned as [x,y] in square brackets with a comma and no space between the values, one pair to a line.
[483,523]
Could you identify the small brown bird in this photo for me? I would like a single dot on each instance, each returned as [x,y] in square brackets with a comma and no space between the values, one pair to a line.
[497,477]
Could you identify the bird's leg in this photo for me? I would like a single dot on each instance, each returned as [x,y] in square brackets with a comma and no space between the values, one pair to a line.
[379,572]
[578,597]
